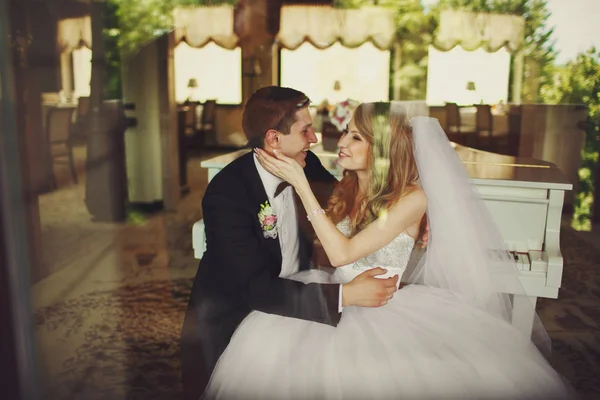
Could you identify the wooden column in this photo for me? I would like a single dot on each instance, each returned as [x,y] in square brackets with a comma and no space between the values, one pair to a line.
[254,21]
[257,26]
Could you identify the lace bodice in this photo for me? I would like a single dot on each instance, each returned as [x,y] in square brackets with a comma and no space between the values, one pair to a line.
[394,256]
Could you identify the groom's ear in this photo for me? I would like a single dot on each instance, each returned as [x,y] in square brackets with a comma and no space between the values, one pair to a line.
[272,139]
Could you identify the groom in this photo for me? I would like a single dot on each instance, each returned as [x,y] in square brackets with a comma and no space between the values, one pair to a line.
[255,232]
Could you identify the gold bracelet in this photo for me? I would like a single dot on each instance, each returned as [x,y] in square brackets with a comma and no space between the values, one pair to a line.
[316,211]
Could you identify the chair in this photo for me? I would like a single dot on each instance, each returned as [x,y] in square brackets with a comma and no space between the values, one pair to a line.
[59,136]
[81,119]
[183,133]
[484,127]
[189,122]
[187,125]
[207,121]
[515,117]
[456,132]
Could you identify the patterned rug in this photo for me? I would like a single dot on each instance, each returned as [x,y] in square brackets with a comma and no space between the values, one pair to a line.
[130,342]
[125,342]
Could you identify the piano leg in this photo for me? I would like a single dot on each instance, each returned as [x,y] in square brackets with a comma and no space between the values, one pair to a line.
[523,313]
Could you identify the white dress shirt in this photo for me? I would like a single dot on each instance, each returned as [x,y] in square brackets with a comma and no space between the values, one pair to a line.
[287,223]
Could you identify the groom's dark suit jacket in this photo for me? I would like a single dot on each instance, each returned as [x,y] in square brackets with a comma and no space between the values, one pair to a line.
[239,271]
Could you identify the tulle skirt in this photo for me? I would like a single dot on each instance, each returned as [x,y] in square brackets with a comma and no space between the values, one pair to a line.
[424,344]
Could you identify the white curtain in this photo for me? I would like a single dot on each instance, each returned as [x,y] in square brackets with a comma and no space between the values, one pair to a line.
[479,30]
[199,25]
[322,26]
[73,33]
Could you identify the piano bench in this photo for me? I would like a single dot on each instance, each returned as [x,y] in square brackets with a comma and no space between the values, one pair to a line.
[198,239]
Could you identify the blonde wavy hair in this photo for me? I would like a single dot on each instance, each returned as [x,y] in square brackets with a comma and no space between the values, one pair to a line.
[393,170]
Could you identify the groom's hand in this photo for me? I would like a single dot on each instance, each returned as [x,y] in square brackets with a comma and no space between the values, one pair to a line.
[368,291]
[424,229]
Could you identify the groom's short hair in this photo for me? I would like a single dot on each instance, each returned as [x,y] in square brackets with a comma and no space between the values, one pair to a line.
[271,107]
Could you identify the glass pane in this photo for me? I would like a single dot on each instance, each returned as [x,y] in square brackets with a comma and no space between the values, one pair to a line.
[110,150]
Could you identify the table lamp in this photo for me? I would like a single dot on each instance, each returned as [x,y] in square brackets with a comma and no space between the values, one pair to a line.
[471,88]
[192,84]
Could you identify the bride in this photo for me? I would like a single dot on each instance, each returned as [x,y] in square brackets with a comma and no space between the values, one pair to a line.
[445,335]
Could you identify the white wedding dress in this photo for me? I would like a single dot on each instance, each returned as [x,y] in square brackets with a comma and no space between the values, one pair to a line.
[426,343]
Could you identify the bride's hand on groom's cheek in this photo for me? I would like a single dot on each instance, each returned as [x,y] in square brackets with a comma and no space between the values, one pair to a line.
[284,167]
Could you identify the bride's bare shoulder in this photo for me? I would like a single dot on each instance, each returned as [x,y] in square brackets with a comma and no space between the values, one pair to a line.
[411,205]
[413,194]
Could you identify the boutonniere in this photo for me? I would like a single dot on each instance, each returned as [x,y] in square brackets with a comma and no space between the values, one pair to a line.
[268,220]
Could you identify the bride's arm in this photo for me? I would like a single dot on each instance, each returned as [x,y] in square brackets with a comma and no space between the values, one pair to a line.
[342,250]
[339,249]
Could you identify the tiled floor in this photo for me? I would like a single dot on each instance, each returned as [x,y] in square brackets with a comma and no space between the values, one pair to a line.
[108,319]
[85,255]
[92,260]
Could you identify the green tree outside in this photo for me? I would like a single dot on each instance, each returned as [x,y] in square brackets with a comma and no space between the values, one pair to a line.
[131,24]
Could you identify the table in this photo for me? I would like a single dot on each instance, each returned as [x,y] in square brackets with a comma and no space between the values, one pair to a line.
[46,107]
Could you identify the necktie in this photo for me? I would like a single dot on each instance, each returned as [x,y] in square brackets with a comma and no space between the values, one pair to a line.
[280,188]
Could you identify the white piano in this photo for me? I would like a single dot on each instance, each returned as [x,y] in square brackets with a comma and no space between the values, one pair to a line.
[525,198]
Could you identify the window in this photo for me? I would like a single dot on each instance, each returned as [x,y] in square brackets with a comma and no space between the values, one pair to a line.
[449,74]
[217,72]
[76,73]
[338,72]
[82,71]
